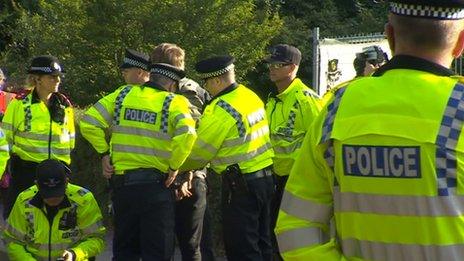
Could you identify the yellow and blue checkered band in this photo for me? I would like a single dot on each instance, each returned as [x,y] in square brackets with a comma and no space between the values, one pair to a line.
[216,73]
[425,11]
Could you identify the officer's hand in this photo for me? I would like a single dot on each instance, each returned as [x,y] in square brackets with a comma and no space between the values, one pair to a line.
[107,168]
[369,69]
[69,255]
[184,190]
[171,177]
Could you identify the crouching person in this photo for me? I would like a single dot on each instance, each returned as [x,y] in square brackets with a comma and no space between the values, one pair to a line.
[54,220]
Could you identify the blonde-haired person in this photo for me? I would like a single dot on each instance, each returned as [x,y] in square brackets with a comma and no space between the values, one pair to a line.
[193,228]
[38,125]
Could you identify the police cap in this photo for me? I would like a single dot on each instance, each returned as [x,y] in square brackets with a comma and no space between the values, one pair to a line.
[51,177]
[134,59]
[432,9]
[167,70]
[215,66]
[45,64]
[284,53]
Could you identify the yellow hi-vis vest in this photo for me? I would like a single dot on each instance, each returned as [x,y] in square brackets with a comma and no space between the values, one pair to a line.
[385,159]
[290,114]
[233,129]
[33,135]
[149,128]
[29,236]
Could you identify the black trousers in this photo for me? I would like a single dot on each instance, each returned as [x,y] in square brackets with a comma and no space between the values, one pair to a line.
[22,177]
[189,221]
[207,240]
[143,222]
[280,182]
[246,221]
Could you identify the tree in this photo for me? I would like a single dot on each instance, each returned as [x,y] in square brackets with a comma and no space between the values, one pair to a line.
[89,37]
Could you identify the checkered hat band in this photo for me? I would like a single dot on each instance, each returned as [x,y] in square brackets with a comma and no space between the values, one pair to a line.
[166,73]
[217,73]
[135,63]
[43,69]
[443,13]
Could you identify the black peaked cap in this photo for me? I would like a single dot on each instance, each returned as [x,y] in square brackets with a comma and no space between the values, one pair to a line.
[432,9]
[167,70]
[215,66]
[45,64]
[134,59]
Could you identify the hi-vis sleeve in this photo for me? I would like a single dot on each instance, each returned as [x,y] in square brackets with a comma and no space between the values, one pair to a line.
[307,206]
[96,121]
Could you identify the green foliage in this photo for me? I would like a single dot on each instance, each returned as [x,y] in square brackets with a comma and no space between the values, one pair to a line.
[89,37]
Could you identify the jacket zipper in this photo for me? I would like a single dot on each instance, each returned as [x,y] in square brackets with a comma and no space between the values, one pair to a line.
[50,137]
[50,223]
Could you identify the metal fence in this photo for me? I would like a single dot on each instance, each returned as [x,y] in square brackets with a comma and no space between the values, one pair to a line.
[457,65]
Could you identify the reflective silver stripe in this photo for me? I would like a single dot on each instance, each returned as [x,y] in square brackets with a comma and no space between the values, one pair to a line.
[287,149]
[92,121]
[247,138]
[181,117]
[369,250]
[7,126]
[182,130]
[14,232]
[5,148]
[37,136]
[55,246]
[305,209]
[299,238]
[203,145]
[103,112]
[399,205]
[241,157]
[92,229]
[140,132]
[141,150]
[56,151]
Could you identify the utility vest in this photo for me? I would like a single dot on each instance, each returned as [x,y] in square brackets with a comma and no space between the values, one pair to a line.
[150,128]
[32,133]
[397,166]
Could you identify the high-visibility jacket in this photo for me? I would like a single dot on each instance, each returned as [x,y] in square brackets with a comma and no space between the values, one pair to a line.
[232,130]
[149,128]
[290,114]
[77,226]
[385,158]
[4,152]
[32,134]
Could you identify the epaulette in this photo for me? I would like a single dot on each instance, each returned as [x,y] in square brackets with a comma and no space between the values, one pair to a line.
[459,78]
[22,94]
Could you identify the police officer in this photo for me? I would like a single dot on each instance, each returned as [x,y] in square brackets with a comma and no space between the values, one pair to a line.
[191,204]
[134,67]
[152,132]
[233,136]
[385,156]
[54,219]
[38,125]
[290,113]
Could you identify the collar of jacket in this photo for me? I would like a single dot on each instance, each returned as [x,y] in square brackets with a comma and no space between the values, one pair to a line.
[153,85]
[291,88]
[228,89]
[37,202]
[35,96]
[413,63]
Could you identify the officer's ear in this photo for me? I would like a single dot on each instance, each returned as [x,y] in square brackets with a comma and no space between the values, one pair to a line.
[390,33]
[459,46]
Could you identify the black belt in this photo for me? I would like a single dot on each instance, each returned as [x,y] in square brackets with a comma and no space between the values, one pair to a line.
[266,172]
[138,176]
